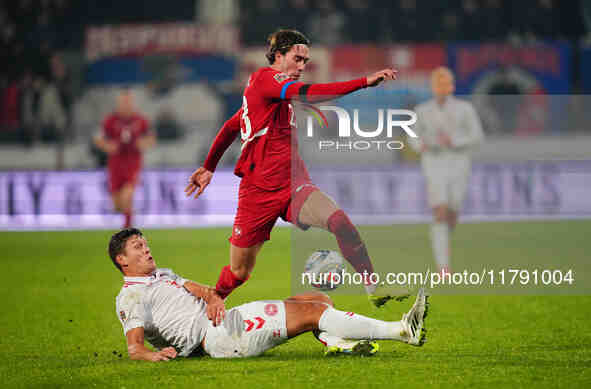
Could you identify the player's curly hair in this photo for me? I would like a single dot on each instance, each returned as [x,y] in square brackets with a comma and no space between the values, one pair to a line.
[282,41]
[117,243]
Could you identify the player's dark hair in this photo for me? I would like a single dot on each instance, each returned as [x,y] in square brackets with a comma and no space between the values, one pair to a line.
[117,243]
[282,41]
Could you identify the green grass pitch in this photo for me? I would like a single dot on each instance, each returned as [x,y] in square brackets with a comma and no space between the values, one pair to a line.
[58,327]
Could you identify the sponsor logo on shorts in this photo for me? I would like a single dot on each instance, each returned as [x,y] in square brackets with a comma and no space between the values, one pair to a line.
[271,309]
[122,315]
[237,231]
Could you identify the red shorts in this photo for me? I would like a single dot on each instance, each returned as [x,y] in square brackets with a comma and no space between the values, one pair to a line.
[118,178]
[259,209]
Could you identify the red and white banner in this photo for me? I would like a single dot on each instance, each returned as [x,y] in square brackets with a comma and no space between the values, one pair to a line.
[180,38]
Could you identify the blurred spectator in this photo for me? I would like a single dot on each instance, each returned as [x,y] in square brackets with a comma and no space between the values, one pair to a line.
[472,21]
[53,118]
[586,10]
[167,126]
[450,27]
[8,47]
[365,18]
[26,16]
[541,21]
[218,11]
[297,14]
[29,102]
[403,22]
[10,111]
[325,25]
[494,27]
[259,22]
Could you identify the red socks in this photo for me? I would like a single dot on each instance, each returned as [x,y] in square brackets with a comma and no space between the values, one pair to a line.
[127,220]
[227,282]
[350,243]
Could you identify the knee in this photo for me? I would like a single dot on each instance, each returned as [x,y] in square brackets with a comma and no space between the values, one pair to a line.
[321,298]
[441,213]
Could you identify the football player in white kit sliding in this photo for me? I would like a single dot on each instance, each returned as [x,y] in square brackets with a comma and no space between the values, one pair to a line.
[448,128]
[179,317]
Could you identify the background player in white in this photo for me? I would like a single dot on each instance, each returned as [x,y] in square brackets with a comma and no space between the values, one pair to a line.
[448,129]
[182,318]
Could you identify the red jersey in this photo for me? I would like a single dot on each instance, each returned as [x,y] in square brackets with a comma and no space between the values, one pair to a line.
[125,131]
[265,123]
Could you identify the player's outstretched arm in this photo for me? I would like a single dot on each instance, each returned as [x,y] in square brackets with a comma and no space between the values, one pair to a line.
[377,78]
[216,311]
[202,176]
[315,93]
[138,351]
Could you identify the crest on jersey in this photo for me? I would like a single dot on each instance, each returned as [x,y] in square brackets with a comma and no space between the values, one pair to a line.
[122,315]
[280,77]
[271,309]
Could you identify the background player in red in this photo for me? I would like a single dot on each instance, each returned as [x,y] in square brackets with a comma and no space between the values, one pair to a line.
[275,182]
[124,136]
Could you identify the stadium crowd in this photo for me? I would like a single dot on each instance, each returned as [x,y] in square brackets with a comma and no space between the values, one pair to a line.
[360,21]
[37,89]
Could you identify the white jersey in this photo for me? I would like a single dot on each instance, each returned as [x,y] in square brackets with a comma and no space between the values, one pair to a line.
[455,117]
[169,314]
[446,169]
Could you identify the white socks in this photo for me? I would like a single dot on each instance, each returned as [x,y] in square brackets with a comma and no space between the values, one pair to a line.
[370,288]
[440,243]
[349,325]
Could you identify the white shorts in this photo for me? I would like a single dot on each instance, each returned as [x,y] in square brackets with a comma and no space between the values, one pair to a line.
[447,175]
[248,330]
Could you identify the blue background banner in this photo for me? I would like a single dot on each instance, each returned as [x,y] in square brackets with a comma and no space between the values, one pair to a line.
[541,68]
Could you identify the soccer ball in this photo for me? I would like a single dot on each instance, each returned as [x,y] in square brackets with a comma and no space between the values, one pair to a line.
[323,269]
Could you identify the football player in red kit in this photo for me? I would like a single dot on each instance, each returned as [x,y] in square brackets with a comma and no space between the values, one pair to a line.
[275,182]
[124,136]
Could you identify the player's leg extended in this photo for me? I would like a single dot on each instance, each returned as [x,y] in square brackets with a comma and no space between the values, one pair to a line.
[319,210]
[242,261]
[336,345]
[126,202]
[440,232]
[452,219]
[304,316]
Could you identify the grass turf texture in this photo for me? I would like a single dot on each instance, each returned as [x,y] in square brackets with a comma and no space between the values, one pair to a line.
[59,328]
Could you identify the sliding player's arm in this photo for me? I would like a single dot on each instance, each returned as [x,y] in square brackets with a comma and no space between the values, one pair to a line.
[216,311]
[202,176]
[138,351]
[280,86]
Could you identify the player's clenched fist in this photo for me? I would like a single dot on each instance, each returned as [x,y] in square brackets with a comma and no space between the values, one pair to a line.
[383,75]
[164,355]
[198,180]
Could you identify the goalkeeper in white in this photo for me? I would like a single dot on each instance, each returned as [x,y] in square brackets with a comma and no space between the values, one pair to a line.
[448,128]
[179,317]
